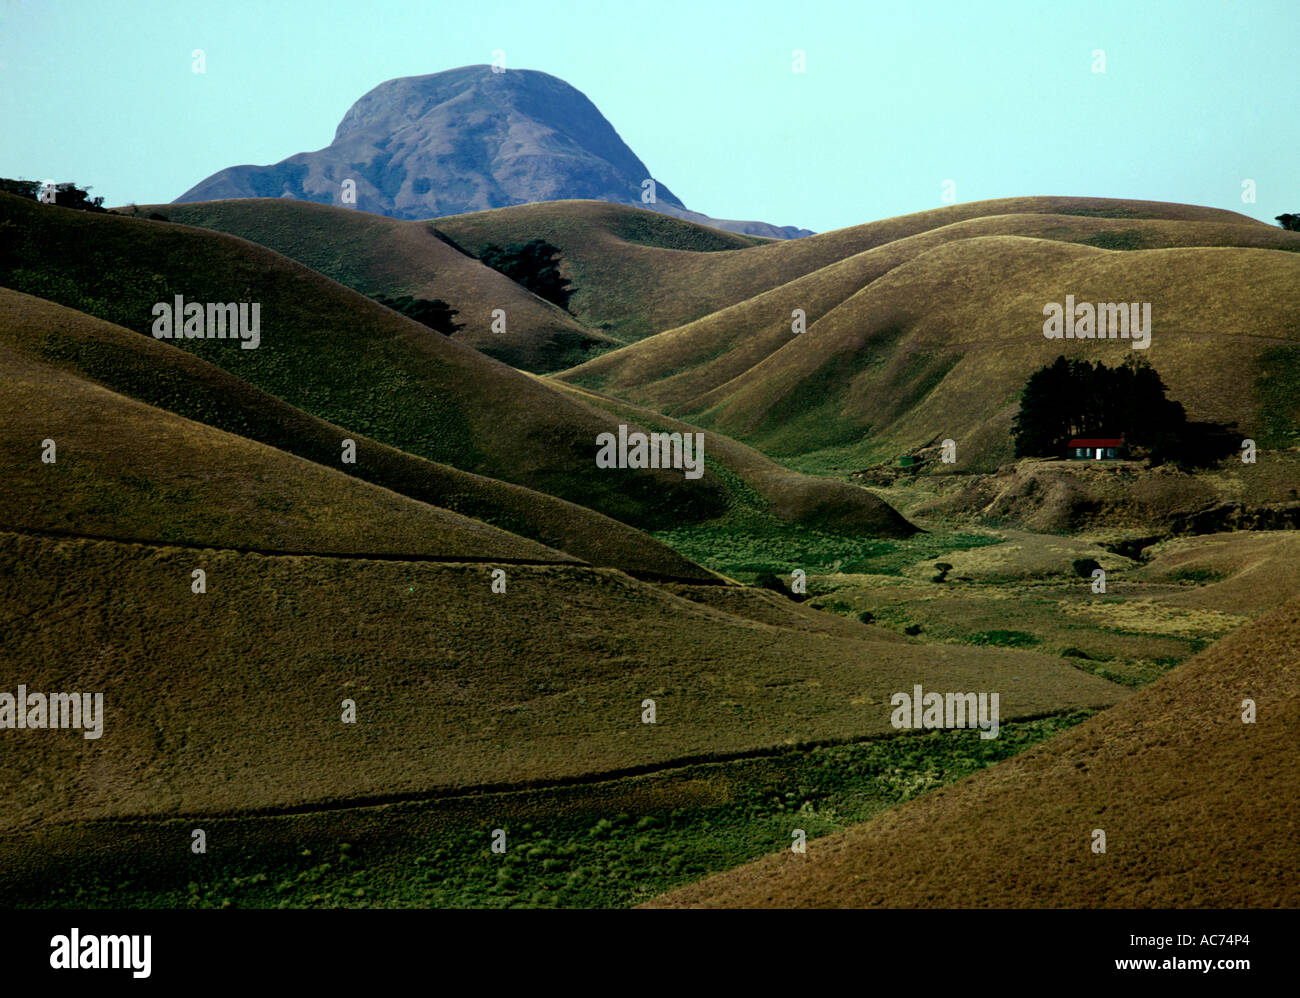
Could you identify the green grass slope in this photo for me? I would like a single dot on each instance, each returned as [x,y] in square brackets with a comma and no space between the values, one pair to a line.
[377,255]
[940,346]
[156,373]
[352,362]
[1198,809]
[632,286]
[683,364]
[127,471]
[769,489]
[230,702]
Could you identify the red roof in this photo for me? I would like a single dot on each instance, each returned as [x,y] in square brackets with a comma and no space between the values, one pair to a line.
[1096,442]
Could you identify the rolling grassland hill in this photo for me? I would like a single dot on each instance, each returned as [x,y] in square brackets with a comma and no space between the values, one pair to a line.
[158,374]
[127,471]
[322,587]
[941,345]
[1246,571]
[1197,807]
[631,284]
[329,351]
[229,702]
[614,246]
[698,357]
[808,500]
[385,256]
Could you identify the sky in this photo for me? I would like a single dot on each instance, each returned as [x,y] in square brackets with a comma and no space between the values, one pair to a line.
[899,106]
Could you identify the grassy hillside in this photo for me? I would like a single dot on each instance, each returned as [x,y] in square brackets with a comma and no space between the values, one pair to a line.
[608,844]
[1198,809]
[1245,572]
[475,709]
[153,372]
[940,346]
[685,363]
[732,362]
[352,362]
[377,255]
[633,287]
[229,702]
[128,471]
[768,490]
[1068,496]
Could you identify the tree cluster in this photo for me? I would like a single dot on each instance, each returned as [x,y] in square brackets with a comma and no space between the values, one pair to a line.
[1074,398]
[432,312]
[67,195]
[535,265]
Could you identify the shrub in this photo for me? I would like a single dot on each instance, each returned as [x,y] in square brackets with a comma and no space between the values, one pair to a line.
[769,580]
[1002,639]
[1084,567]
[432,312]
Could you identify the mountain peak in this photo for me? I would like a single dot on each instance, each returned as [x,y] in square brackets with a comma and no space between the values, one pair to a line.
[465,139]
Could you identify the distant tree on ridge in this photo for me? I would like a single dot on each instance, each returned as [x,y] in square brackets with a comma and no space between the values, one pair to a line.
[535,265]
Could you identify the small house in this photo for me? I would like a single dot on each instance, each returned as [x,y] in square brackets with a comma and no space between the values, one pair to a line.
[1095,448]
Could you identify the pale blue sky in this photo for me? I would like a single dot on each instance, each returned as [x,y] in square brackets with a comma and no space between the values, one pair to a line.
[1001,98]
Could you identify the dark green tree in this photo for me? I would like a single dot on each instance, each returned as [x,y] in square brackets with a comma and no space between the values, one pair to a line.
[71,196]
[1289,221]
[535,265]
[1073,398]
[432,312]
[1044,422]
[67,195]
[23,188]
[1146,417]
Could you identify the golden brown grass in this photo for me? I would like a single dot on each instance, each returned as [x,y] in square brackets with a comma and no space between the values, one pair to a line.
[928,351]
[128,471]
[1239,572]
[1197,807]
[154,372]
[350,361]
[685,363]
[230,701]
[635,289]
[377,255]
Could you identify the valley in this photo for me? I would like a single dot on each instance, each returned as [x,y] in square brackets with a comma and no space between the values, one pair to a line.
[455,595]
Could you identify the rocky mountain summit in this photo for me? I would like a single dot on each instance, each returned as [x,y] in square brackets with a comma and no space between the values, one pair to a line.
[466,140]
